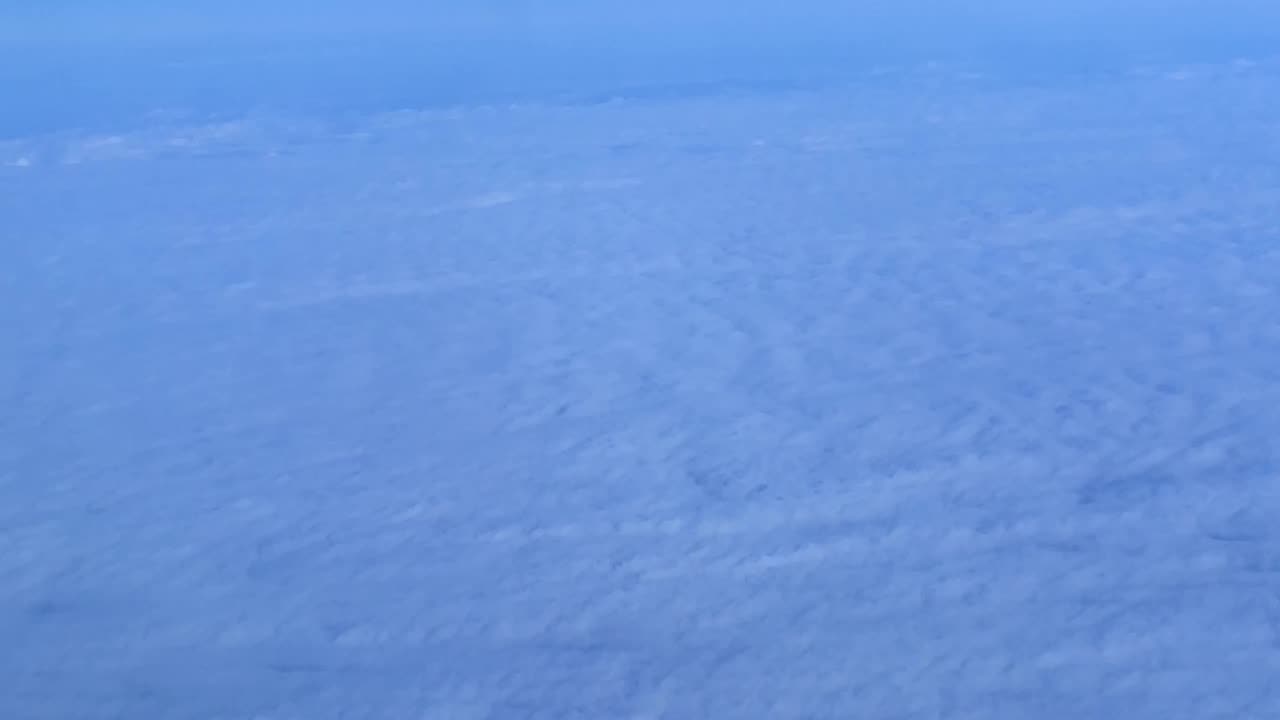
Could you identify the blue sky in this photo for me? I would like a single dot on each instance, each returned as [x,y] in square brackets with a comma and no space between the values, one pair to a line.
[150,18]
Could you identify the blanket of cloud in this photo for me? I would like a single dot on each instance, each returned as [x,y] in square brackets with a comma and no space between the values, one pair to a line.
[920,394]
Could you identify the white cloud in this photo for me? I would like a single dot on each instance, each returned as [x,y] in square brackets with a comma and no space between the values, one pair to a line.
[644,408]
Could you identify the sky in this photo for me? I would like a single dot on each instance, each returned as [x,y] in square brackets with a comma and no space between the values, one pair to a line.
[129,22]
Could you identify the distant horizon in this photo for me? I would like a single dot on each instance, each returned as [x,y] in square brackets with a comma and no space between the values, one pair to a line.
[65,75]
